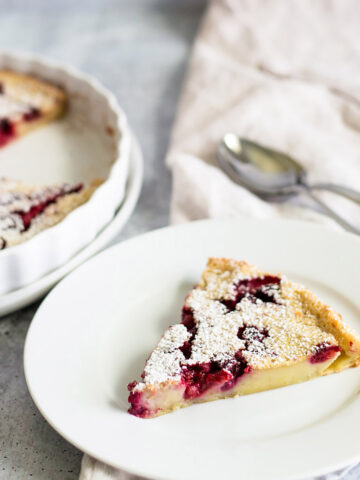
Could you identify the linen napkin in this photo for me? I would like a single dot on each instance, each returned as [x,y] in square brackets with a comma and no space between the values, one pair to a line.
[286,74]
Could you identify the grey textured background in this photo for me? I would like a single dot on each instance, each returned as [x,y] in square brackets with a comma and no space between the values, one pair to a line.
[139,49]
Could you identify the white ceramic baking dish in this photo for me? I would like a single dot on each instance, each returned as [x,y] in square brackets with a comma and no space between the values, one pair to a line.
[91,141]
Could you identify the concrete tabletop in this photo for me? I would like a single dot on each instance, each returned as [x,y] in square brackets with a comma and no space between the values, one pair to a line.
[139,49]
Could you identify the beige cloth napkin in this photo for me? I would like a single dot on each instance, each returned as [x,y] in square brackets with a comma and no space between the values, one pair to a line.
[285,73]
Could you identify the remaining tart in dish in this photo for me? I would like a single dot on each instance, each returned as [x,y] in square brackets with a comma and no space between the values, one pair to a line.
[26,103]
[26,210]
[242,331]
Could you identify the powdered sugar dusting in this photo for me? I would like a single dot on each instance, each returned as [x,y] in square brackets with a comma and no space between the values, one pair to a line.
[274,292]
[13,109]
[13,198]
[223,284]
[164,362]
[267,333]
[292,333]
[216,338]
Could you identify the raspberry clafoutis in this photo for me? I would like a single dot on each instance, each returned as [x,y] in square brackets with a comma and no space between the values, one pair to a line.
[242,331]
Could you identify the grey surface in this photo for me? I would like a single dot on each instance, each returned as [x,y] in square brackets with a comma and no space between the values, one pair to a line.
[139,50]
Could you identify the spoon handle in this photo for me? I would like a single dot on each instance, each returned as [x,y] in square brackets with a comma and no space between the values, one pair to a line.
[331,213]
[347,192]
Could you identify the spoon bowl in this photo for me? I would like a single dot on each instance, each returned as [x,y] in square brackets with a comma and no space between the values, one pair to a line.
[264,171]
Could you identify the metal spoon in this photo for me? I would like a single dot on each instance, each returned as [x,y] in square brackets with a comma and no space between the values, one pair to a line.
[275,175]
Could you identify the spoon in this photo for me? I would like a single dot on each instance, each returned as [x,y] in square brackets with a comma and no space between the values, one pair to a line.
[273,175]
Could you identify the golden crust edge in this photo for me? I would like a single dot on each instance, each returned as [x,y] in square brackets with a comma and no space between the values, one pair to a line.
[331,321]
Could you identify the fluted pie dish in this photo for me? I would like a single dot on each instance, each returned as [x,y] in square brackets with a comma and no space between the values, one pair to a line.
[64,153]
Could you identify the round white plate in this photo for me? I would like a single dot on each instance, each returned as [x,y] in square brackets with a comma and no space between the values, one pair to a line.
[24,296]
[95,330]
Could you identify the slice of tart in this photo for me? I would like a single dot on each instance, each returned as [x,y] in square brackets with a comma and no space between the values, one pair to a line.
[26,103]
[242,331]
[26,210]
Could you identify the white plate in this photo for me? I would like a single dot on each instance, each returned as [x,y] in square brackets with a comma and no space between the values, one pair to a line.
[24,296]
[94,331]
[91,141]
